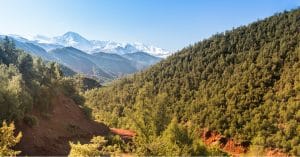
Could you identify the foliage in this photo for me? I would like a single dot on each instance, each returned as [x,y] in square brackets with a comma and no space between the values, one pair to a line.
[91,149]
[75,86]
[14,98]
[8,139]
[243,83]
[115,144]
[176,140]
[98,146]
[28,83]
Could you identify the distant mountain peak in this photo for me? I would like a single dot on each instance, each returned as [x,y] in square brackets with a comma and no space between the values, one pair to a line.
[77,41]
[71,34]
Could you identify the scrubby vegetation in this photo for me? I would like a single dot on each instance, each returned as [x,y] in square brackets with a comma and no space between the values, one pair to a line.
[244,84]
[91,149]
[98,146]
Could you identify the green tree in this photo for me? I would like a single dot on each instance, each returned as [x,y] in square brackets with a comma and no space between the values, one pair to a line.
[7,51]
[25,66]
[14,99]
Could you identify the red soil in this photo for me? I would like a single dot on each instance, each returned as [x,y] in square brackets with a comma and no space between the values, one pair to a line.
[210,137]
[67,122]
[233,148]
[125,134]
[275,152]
[228,145]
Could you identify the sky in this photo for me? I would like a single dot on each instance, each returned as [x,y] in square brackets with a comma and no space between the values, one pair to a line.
[169,24]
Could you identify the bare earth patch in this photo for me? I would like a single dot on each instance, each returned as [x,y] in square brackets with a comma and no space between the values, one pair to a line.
[51,136]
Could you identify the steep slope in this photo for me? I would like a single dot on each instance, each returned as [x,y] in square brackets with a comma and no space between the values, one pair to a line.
[47,46]
[113,63]
[34,50]
[102,65]
[79,62]
[244,84]
[66,122]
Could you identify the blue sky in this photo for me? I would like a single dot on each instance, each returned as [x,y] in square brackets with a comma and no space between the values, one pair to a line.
[170,24]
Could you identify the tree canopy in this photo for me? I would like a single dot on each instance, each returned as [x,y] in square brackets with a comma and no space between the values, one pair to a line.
[243,83]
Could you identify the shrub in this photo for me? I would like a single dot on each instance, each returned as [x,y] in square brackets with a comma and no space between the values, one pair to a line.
[30,120]
[91,149]
[87,111]
[46,115]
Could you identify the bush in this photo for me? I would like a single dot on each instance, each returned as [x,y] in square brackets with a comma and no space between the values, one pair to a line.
[30,120]
[72,89]
[43,99]
[46,115]
[87,111]
[91,149]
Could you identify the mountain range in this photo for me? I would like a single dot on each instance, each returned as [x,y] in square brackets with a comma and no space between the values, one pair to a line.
[72,39]
[104,60]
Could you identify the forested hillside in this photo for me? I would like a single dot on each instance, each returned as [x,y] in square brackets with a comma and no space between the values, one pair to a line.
[243,83]
[36,96]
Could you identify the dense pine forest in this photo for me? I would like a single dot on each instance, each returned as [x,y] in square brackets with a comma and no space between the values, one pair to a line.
[243,84]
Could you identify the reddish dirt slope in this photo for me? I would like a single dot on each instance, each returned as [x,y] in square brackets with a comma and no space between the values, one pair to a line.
[275,153]
[227,145]
[125,134]
[233,148]
[51,136]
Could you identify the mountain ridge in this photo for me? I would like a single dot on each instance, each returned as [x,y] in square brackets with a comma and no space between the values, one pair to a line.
[90,46]
[112,65]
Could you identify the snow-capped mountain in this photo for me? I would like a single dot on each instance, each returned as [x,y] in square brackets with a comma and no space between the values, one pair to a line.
[74,40]
[93,46]
[104,60]
[155,51]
